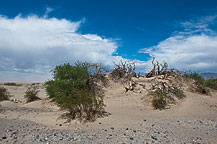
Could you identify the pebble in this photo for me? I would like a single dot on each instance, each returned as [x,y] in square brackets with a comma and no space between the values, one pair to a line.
[4,137]
[112,128]
[154,137]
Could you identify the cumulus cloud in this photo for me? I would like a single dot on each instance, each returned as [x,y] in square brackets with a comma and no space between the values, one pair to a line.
[192,49]
[35,45]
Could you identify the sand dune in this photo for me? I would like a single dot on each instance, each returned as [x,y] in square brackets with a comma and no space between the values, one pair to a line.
[131,119]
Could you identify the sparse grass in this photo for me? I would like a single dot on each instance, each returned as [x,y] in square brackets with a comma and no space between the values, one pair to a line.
[12,84]
[4,94]
[159,99]
[31,94]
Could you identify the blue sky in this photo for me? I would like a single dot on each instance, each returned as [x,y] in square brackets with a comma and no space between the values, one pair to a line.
[179,32]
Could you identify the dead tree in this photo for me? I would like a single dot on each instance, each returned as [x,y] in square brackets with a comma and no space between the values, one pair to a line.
[123,70]
[152,71]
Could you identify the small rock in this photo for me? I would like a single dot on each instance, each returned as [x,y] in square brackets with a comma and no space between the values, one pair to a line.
[100,123]
[4,137]
[154,137]
[134,131]
[46,138]
[37,136]
[112,128]
[131,138]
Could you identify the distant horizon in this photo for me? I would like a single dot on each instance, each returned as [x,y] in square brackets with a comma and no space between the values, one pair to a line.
[35,36]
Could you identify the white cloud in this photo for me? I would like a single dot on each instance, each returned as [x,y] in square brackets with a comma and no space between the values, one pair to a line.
[193,49]
[34,45]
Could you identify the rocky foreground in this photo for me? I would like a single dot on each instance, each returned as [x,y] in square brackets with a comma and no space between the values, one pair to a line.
[195,131]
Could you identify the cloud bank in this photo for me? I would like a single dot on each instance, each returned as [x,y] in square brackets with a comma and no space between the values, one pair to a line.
[35,45]
[195,48]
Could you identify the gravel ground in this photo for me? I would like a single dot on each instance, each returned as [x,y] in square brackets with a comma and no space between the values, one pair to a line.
[203,130]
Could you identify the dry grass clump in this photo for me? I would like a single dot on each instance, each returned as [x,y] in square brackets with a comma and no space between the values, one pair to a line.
[31,94]
[4,94]
[164,94]
[159,99]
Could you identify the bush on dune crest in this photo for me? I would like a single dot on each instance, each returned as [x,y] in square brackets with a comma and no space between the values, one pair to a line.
[202,84]
[71,89]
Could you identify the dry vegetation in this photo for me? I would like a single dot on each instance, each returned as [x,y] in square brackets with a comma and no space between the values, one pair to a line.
[12,84]
[31,94]
[4,94]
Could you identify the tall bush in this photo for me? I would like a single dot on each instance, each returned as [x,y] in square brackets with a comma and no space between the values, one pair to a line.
[71,89]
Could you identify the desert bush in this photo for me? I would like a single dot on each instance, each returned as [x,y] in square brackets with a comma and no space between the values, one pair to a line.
[201,85]
[4,94]
[83,104]
[164,94]
[74,89]
[199,79]
[12,84]
[159,99]
[211,83]
[31,94]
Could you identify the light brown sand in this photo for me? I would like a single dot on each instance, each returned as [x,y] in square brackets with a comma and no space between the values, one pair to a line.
[127,109]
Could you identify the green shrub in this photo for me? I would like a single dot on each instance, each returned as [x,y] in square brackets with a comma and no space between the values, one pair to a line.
[211,83]
[73,90]
[202,84]
[31,94]
[199,79]
[12,84]
[4,94]
[159,99]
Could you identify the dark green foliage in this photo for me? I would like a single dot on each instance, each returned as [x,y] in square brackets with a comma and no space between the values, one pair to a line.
[12,84]
[73,89]
[199,79]
[77,75]
[31,94]
[211,83]
[4,94]
[83,104]
[201,84]
[159,99]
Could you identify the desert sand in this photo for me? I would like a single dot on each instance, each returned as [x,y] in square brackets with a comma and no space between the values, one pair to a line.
[130,119]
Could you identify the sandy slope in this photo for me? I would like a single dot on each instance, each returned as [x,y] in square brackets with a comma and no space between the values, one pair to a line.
[131,119]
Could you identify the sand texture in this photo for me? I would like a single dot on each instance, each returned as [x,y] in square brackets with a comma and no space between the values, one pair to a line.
[131,118]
